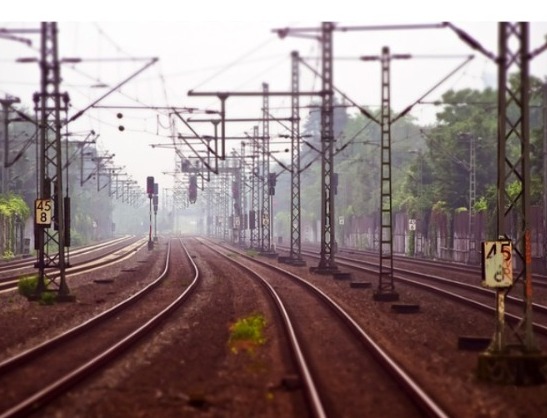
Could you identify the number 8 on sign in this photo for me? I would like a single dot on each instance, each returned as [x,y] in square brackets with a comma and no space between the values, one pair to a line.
[43,212]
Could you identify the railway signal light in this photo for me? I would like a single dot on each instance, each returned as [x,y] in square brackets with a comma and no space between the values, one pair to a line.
[193,189]
[252,219]
[235,190]
[150,186]
[185,166]
[121,128]
[272,181]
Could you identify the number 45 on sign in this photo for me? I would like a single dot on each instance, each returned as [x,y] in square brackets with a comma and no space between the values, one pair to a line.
[43,212]
[497,264]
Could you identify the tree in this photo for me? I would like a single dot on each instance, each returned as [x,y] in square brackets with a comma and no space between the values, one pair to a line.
[13,212]
[467,114]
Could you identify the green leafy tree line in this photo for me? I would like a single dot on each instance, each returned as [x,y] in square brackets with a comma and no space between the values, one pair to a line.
[430,164]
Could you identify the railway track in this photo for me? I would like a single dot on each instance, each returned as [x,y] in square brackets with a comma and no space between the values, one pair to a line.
[466,270]
[194,372]
[458,283]
[82,260]
[346,372]
[61,362]
[13,265]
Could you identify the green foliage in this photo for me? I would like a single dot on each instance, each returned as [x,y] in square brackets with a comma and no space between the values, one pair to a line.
[13,205]
[77,238]
[247,333]
[13,212]
[8,255]
[481,204]
[468,117]
[430,165]
[26,286]
[440,207]
[48,298]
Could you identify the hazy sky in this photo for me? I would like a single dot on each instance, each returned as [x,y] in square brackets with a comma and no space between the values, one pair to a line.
[221,48]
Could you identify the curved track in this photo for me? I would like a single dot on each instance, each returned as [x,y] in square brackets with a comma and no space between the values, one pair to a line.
[89,346]
[448,281]
[83,260]
[297,300]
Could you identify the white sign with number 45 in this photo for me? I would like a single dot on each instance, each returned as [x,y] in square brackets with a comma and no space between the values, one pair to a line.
[497,264]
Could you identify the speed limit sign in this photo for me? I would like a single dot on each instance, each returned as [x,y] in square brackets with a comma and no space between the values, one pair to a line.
[43,212]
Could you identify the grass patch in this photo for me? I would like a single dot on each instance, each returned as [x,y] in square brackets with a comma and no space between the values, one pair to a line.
[252,253]
[8,255]
[48,298]
[247,333]
[26,286]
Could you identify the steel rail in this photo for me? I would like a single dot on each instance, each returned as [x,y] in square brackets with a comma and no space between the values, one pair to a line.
[29,261]
[8,284]
[542,329]
[60,386]
[310,386]
[406,382]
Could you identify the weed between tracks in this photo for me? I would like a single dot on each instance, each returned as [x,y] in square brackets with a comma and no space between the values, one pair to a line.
[247,333]
[26,286]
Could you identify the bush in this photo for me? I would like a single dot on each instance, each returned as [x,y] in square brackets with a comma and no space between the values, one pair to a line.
[247,333]
[8,255]
[27,285]
[48,298]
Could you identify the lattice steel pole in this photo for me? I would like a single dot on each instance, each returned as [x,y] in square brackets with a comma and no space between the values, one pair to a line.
[50,102]
[6,104]
[225,196]
[236,198]
[242,198]
[266,199]
[517,361]
[544,90]
[296,243]
[255,204]
[327,265]
[472,251]
[386,287]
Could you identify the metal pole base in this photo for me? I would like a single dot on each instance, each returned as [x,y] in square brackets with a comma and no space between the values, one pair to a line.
[269,254]
[66,298]
[339,275]
[360,285]
[58,298]
[150,245]
[405,308]
[519,369]
[291,261]
[385,296]
[325,271]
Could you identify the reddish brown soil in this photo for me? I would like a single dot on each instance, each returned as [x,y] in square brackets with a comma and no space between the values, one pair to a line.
[188,369]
